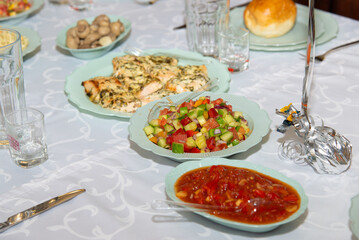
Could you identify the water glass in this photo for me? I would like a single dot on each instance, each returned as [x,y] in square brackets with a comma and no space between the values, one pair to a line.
[12,95]
[201,24]
[26,134]
[233,47]
[80,5]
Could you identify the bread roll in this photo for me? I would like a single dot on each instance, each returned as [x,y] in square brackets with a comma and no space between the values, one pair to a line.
[270,18]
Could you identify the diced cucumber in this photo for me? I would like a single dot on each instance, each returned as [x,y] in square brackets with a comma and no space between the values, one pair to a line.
[202,106]
[199,112]
[228,118]
[192,114]
[177,124]
[168,128]
[148,130]
[235,142]
[222,112]
[220,121]
[163,116]
[190,126]
[157,130]
[173,109]
[201,142]
[201,120]
[183,111]
[204,130]
[162,143]
[227,136]
[177,147]
[234,124]
[237,114]
[212,132]
[155,123]
[209,106]
[191,142]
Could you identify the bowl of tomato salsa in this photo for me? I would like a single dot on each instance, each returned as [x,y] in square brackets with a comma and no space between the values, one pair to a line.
[249,197]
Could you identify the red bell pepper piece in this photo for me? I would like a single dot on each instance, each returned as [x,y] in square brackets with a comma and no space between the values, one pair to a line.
[212,113]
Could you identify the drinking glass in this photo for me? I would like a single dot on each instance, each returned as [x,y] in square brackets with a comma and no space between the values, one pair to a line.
[233,43]
[26,133]
[80,5]
[12,95]
[201,24]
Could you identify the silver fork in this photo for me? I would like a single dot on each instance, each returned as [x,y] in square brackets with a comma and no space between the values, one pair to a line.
[139,52]
[321,57]
[154,111]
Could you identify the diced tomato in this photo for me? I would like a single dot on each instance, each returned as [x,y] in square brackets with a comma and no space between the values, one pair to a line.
[229,108]
[220,147]
[212,113]
[180,138]
[205,101]
[163,121]
[211,123]
[218,101]
[187,148]
[164,111]
[235,134]
[195,150]
[187,104]
[190,133]
[211,143]
[185,121]
[169,140]
[179,131]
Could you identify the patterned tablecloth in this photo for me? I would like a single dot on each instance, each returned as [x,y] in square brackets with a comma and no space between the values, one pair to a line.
[87,151]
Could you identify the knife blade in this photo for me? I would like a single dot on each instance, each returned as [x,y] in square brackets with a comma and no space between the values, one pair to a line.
[237,6]
[38,209]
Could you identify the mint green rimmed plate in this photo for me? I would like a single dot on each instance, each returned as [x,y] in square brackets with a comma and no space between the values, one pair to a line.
[354,215]
[326,25]
[257,118]
[92,53]
[14,20]
[181,169]
[103,67]
[33,36]
[297,35]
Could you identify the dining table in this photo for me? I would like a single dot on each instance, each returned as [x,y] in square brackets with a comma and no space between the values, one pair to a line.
[94,152]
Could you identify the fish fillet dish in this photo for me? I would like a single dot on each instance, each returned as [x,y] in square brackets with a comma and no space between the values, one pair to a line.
[138,80]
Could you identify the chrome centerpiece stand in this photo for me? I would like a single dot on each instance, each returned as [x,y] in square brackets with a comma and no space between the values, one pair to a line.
[320,146]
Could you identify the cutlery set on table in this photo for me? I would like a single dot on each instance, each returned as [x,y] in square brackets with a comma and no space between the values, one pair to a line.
[178,108]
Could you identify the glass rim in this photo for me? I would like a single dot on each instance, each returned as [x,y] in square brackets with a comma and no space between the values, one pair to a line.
[18,37]
[38,116]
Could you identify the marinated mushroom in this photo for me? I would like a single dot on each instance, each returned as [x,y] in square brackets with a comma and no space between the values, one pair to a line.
[101,32]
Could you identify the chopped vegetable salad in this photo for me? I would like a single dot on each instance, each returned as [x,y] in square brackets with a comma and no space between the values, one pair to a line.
[199,126]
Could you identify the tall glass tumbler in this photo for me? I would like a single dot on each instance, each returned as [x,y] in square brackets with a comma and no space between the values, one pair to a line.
[12,93]
[201,24]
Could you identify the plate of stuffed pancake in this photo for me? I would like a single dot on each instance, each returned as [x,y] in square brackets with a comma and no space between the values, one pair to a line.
[118,84]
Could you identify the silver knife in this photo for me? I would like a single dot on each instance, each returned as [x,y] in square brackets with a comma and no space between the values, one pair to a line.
[40,208]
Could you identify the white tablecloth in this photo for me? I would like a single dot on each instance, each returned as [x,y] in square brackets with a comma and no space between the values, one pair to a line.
[95,153]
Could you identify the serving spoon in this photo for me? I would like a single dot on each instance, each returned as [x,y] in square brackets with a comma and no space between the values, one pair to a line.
[169,205]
